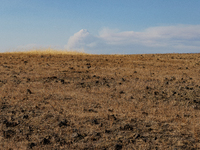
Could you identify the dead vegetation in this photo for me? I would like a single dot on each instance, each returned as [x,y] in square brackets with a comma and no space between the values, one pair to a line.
[57,101]
[47,51]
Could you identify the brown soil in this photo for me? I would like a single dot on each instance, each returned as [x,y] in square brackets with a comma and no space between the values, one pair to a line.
[55,101]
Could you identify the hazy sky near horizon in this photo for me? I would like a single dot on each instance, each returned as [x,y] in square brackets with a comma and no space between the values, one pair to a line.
[101,26]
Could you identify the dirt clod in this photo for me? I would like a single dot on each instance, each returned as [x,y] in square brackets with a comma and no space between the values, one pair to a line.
[9,133]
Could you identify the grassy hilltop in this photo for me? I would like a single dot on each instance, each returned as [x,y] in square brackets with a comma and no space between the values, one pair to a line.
[71,100]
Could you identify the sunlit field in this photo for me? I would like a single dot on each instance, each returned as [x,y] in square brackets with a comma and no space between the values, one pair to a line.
[46,51]
[53,99]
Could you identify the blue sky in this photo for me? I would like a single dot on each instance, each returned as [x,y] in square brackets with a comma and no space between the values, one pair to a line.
[101,26]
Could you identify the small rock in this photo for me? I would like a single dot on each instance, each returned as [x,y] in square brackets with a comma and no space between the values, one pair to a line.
[123,79]
[156,93]
[98,134]
[29,91]
[78,136]
[74,135]
[31,145]
[25,117]
[92,110]
[150,129]
[112,117]
[118,147]
[53,77]
[88,67]
[107,131]
[95,121]
[174,93]
[63,123]
[45,141]
[62,81]
[121,92]
[145,113]
[111,110]
[195,101]
[137,136]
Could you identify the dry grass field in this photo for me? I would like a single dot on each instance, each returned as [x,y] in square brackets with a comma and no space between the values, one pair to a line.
[78,101]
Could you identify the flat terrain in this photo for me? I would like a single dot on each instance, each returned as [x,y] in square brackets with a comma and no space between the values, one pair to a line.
[108,102]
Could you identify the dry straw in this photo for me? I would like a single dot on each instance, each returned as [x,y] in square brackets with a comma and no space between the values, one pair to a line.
[49,51]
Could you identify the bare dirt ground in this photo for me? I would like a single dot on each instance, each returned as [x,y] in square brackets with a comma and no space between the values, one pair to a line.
[107,102]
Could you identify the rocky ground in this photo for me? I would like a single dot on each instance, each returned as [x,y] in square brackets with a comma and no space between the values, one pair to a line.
[107,102]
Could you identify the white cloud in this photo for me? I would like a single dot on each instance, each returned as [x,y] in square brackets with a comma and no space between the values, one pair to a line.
[180,38]
[81,40]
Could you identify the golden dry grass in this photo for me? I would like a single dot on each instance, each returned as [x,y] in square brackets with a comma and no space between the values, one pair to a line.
[99,101]
[47,51]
